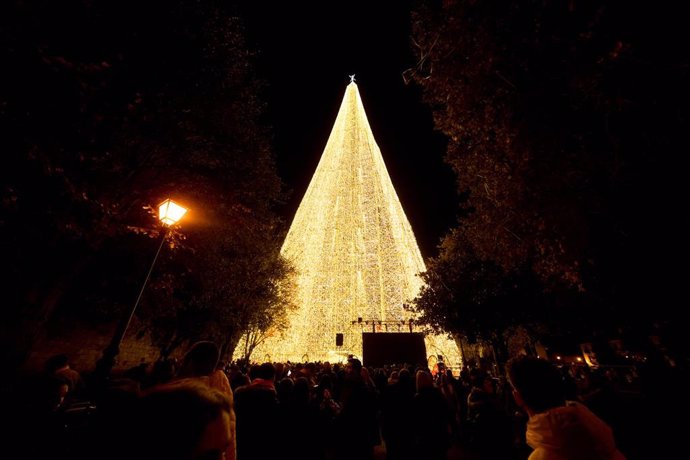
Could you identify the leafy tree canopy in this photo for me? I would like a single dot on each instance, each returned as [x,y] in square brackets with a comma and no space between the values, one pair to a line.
[563,121]
[107,109]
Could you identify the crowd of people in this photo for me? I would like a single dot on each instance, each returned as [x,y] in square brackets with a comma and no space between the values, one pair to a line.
[201,408]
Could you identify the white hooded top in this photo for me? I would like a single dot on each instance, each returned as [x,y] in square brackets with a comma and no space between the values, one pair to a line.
[570,432]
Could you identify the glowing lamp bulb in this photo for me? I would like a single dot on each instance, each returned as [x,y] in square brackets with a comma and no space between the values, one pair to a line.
[170,212]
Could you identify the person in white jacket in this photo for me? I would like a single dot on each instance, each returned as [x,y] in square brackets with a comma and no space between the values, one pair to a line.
[557,429]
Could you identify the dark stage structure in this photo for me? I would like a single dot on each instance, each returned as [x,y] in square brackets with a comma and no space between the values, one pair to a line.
[393,347]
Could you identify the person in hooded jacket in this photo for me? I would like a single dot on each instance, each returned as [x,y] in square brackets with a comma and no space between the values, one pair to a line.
[557,429]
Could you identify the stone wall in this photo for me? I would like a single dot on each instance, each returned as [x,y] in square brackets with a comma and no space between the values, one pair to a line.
[84,346]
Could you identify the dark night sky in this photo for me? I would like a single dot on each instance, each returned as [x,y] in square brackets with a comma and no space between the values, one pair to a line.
[307,52]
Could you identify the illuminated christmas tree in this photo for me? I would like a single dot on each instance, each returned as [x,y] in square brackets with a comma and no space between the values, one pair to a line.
[352,245]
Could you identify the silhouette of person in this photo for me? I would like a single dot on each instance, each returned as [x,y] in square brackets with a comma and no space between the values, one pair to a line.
[201,363]
[182,420]
[557,430]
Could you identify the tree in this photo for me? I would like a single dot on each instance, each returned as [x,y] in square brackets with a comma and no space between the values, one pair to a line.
[269,316]
[161,97]
[475,298]
[556,131]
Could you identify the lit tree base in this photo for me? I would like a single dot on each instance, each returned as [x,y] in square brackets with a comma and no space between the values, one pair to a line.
[276,349]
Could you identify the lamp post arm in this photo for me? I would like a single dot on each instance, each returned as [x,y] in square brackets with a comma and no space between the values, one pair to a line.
[121,334]
[107,361]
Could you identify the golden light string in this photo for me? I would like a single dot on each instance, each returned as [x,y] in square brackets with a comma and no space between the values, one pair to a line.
[353,248]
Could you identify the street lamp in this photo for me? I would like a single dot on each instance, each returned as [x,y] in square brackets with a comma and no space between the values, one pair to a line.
[169,213]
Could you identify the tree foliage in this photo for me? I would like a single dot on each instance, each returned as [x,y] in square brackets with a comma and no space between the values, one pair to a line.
[559,118]
[107,109]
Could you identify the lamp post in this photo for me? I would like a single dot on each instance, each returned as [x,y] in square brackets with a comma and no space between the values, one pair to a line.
[169,213]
